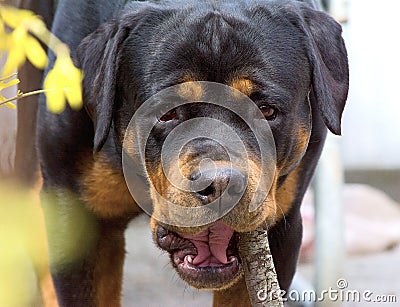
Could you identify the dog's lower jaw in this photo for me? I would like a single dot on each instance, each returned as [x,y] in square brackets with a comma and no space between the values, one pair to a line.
[207,260]
[210,278]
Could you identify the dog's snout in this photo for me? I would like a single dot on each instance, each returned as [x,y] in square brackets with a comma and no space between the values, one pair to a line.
[228,180]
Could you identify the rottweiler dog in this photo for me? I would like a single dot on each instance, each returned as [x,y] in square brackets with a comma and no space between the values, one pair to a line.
[286,56]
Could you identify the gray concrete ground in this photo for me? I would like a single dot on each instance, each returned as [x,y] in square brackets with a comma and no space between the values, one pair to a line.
[377,273]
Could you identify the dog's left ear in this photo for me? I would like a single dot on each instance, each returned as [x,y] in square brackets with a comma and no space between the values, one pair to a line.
[330,71]
[98,56]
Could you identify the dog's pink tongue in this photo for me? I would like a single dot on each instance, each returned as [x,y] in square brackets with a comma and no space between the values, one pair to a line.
[211,245]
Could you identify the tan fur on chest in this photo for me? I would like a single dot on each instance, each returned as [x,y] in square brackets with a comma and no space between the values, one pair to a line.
[105,191]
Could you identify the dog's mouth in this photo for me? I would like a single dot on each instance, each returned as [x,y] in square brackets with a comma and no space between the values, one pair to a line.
[208,260]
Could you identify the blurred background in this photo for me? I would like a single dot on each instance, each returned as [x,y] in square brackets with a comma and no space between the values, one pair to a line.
[369,152]
[371,126]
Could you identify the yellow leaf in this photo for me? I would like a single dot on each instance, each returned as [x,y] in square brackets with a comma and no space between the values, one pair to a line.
[55,101]
[10,83]
[10,105]
[3,37]
[69,78]
[14,60]
[14,17]
[2,29]
[73,90]
[16,55]
[74,97]
[54,94]
[35,53]
[37,26]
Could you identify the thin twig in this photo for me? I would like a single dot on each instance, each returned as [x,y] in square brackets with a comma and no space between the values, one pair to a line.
[23,95]
[8,77]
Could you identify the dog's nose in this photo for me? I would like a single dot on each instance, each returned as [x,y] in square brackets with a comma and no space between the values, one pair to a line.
[220,179]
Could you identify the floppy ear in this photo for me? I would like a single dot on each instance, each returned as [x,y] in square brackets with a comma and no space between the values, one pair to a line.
[330,71]
[98,56]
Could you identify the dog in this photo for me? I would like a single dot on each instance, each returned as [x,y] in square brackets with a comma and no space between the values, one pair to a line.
[287,57]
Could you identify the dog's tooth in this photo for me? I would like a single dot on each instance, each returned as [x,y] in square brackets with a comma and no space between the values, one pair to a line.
[232,259]
[190,259]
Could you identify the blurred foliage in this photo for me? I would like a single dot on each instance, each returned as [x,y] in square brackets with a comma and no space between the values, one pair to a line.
[22,34]
[24,262]
[71,229]
[22,248]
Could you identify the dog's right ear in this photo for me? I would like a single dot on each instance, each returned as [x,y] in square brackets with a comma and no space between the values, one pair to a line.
[99,57]
[330,69]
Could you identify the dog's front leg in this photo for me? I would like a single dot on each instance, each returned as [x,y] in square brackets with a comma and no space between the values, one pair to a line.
[86,254]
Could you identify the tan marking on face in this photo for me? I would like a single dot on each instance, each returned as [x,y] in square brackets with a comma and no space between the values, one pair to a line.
[240,217]
[105,191]
[286,193]
[191,90]
[303,137]
[121,136]
[297,151]
[243,85]
[161,190]
[158,180]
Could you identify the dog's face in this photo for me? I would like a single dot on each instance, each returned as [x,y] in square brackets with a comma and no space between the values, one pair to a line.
[284,56]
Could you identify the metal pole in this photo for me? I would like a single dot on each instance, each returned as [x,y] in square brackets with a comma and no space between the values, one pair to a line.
[328,184]
[329,234]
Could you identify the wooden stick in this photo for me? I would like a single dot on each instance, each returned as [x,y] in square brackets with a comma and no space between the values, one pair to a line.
[260,275]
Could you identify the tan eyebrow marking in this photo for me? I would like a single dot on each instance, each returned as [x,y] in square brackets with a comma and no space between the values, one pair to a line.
[190,90]
[243,85]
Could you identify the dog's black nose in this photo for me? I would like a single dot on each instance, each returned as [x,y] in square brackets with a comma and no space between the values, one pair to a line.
[220,179]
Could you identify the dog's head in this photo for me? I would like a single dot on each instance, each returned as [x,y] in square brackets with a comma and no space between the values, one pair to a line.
[288,58]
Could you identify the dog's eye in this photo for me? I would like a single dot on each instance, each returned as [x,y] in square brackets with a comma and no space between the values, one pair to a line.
[171,115]
[268,111]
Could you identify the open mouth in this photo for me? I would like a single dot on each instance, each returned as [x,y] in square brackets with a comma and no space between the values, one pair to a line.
[208,260]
